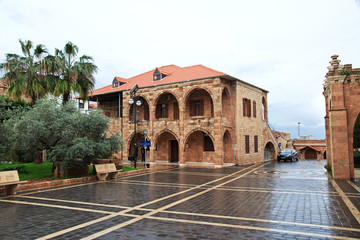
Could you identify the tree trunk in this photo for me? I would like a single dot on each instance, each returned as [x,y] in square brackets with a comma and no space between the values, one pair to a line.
[66,97]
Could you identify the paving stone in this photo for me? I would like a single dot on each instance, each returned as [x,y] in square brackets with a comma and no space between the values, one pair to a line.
[270,201]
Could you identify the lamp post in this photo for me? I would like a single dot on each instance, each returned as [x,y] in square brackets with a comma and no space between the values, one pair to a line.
[137,102]
[133,99]
[299,129]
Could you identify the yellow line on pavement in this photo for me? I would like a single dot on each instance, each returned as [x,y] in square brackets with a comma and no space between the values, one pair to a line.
[355,212]
[137,207]
[354,185]
[249,228]
[69,201]
[56,206]
[105,231]
[260,220]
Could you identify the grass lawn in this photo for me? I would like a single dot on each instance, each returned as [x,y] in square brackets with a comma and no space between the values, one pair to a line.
[32,171]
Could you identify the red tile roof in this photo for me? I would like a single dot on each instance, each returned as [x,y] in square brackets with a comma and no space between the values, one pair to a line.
[173,72]
[308,146]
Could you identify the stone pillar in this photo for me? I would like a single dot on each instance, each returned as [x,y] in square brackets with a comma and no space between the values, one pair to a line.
[339,142]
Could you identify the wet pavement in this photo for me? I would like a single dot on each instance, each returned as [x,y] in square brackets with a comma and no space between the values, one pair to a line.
[285,200]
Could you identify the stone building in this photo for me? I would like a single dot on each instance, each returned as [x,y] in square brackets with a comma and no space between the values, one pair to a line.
[310,149]
[342,99]
[194,116]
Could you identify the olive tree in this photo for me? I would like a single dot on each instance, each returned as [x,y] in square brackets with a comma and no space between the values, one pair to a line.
[71,138]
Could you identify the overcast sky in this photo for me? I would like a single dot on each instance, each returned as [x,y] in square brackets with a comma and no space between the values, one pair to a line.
[283,46]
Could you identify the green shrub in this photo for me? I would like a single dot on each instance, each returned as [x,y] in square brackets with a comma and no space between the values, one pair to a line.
[19,168]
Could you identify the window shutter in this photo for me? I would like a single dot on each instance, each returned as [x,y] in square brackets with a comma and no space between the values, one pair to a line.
[254,109]
[244,107]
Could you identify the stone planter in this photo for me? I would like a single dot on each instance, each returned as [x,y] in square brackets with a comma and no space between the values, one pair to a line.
[71,171]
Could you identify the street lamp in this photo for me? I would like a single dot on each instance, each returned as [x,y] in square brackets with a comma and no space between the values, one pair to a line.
[138,103]
[299,129]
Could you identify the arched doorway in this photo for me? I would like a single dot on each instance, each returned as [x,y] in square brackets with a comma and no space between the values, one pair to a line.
[139,137]
[167,148]
[310,154]
[167,107]
[269,151]
[226,103]
[228,148]
[356,142]
[199,147]
[199,104]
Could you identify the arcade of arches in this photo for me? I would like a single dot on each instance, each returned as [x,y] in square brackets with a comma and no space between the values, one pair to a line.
[342,99]
[198,122]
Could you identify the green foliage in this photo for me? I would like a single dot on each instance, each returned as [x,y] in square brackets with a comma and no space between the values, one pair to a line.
[19,168]
[356,133]
[357,159]
[65,133]
[328,168]
[25,74]
[37,73]
[344,72]
[33,171]
[10,111]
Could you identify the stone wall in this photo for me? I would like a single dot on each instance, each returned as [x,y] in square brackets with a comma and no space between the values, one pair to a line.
[342,99]
[209,139]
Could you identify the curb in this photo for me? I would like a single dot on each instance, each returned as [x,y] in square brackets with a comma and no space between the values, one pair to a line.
[37,184]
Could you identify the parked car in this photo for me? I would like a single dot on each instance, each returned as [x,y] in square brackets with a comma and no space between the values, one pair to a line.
[288,154]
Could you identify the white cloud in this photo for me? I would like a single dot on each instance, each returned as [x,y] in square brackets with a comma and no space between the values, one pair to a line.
[282,46]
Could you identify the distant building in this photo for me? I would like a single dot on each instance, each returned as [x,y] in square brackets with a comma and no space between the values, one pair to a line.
[194,116]
[310,148]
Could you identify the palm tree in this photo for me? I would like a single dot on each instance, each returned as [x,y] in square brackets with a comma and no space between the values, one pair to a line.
[72,74]
[25,75]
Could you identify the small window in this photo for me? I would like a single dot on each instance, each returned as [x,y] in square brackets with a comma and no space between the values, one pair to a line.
[256,144]
[208,144]
[246,107]
[247,144]
[196,108]
[254,109]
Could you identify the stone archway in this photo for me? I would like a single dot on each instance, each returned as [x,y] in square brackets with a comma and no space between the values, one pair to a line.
[167,107]
[199,103]
[142,111]
[269,151]
[139,137]
[310,154]
[166,148]
[342,101]
[199,147]
[356,142]
[228,151]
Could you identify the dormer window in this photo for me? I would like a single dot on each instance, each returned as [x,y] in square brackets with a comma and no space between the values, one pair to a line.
[115,83]
[157,75]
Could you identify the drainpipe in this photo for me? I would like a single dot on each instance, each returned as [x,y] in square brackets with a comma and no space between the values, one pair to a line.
[97,103]
[233,112]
